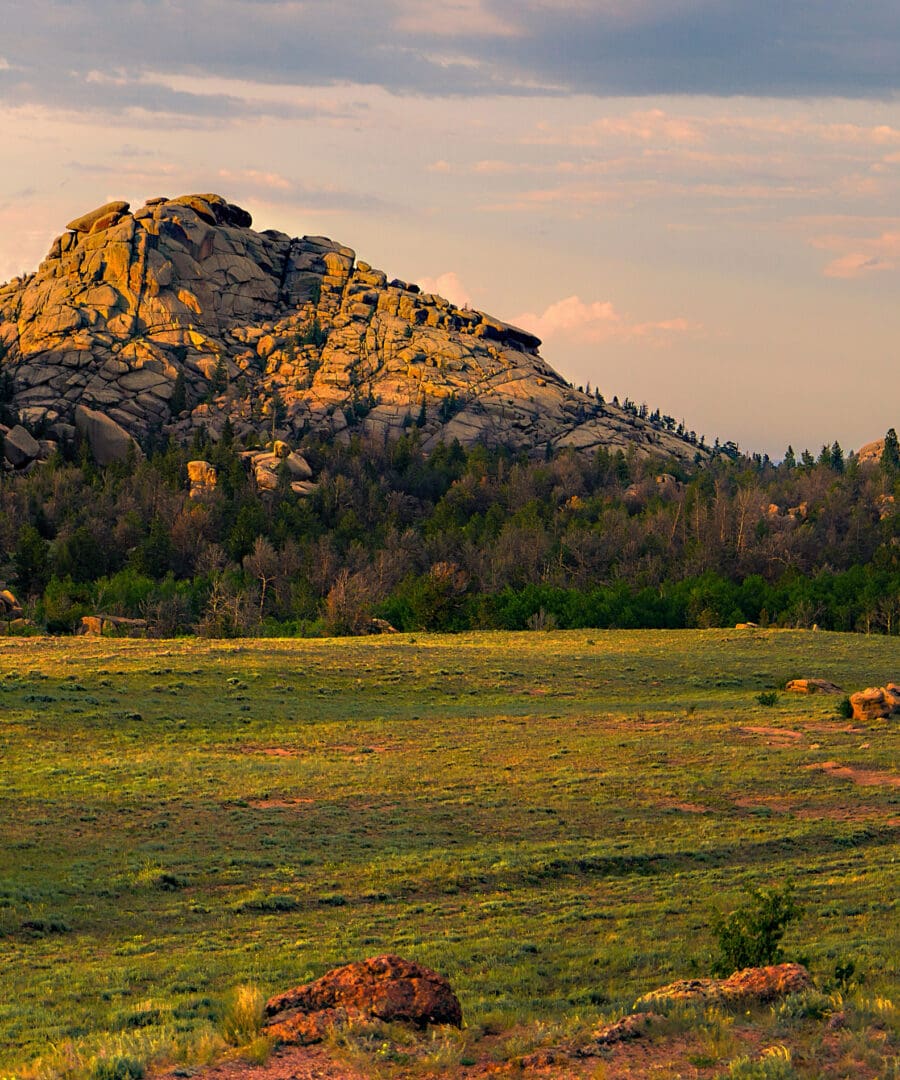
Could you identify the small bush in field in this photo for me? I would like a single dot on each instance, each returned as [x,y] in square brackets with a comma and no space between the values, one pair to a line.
[751,935]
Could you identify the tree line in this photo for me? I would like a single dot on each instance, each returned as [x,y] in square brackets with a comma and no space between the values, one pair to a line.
[456,538]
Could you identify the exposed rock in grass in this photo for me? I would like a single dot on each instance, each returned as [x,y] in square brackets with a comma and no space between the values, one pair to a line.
[876,702]
[386,988]
[749,986]
[813,686]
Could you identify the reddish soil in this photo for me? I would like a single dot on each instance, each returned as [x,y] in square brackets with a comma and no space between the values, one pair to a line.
[863,777]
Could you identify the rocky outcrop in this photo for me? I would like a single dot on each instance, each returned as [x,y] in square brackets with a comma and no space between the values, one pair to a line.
[813,686]
[178,315]
[386,988]
[872,451]
[746,987]
[876,702]
[203,478]
[97,625]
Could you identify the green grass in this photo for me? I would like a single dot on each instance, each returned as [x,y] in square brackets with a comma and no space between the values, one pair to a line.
[548,818]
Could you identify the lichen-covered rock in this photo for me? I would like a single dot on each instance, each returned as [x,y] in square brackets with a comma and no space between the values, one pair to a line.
[254,326]
[749,986]
[386,988]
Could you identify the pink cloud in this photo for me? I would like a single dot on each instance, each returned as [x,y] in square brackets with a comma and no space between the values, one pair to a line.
[452,18]
[449,286]
[593,323]
[860,257]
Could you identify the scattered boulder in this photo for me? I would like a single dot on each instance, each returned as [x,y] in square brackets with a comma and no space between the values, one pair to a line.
[876,702]
[747,987]
[386,988]
[10,608]
[203,478]
[19,447]
[635,1026]
[813,686]
[108,441]
[97,625]
[746,626]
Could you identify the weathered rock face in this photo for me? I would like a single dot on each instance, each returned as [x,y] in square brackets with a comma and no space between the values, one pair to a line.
[386,988]
[179,315]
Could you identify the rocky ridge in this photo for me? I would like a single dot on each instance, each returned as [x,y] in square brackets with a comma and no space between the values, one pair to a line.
[179,315]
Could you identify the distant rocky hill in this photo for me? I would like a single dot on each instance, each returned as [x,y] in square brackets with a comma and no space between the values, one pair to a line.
[179,315]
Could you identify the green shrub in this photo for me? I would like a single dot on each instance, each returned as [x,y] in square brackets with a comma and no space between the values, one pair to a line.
[775,1064]
[767,698]
[121,1067]
[244,1016]
[806,1005]
[845,709]
[750,936]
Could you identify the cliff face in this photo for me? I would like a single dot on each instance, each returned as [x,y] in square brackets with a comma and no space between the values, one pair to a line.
[179,314]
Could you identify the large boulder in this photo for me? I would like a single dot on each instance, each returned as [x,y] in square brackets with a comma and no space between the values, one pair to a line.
[110,210]
[10,608]
[108,441]
[746,987]
[386,988]
[876,702]
[19,448]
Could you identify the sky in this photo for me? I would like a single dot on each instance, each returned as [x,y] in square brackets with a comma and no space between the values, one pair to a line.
[694,203]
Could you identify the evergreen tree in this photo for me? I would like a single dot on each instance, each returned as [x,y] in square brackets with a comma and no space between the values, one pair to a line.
[890,458]
[790,462]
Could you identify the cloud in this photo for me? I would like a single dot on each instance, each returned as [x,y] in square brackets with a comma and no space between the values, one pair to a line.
[578,322]
[860,257]
[449,286]
[451,18]
[464,47]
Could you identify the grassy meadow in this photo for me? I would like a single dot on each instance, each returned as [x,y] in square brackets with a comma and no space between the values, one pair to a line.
[550,819]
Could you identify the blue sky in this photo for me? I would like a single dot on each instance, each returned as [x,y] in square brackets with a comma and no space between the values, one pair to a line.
[695,203]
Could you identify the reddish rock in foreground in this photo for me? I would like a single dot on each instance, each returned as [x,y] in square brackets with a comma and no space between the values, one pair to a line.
[386,988]
[749,986]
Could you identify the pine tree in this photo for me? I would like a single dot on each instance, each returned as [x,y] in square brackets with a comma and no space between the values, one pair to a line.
[890,457]
[790,461]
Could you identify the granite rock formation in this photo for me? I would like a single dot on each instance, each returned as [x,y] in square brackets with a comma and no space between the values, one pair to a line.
[179,315]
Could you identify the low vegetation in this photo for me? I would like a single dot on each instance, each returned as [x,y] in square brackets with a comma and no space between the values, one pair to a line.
[553,820]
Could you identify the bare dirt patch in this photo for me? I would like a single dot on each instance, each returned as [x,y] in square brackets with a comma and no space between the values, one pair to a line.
[684,807]
[280,804]
[773,732]
[273,751]
[863,777]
